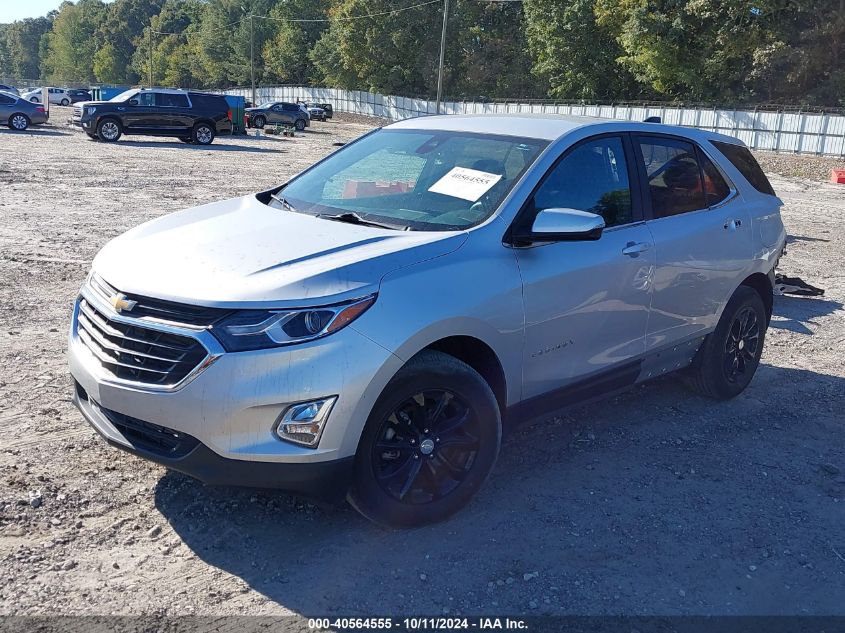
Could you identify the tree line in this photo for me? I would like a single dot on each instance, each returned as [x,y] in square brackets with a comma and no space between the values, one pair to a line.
[701,51]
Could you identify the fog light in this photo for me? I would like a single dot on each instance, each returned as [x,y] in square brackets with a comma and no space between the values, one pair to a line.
[303,423]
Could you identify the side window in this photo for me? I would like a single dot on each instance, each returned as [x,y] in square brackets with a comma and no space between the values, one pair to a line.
[744,161]
[592,177]
[715,187]
[674,176]
[5,99]
[291,107]
[145,98]
[172,100]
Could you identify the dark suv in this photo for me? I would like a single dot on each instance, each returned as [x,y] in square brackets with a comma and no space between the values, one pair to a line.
[276,112]
[193,117]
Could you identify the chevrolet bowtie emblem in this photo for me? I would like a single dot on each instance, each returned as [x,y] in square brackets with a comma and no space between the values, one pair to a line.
[120,302]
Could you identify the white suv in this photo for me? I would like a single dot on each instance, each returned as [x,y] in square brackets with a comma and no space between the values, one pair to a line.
[369,327]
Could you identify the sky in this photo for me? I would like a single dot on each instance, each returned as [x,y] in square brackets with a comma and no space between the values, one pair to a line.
[11,10]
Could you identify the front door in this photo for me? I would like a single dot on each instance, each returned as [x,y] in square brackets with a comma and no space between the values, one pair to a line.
[587,302]
[141,115]
[702,235]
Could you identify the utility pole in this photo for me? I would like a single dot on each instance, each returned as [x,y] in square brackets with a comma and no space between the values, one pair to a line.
[252,57]
[150,42]
[442,53]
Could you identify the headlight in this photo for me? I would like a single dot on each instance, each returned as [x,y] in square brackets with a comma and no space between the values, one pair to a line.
[262,329]
[90,109]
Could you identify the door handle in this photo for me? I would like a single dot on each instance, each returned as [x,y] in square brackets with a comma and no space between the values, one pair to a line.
[633,249]
[732,224]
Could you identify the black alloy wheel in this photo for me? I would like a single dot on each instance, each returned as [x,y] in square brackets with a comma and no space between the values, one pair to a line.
[429,443]
[741,345]
[425,447]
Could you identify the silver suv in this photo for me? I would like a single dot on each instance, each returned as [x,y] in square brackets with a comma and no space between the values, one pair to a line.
[368,328]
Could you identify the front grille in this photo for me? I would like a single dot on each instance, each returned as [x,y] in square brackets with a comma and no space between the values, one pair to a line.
[160,310]
[137,353]
[77,113]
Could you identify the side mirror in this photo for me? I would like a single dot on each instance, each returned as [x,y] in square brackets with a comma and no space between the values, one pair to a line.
[562,225]
[133,102]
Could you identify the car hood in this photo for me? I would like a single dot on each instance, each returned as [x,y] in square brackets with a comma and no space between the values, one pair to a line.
[256,109]
[242,253]
[90,103]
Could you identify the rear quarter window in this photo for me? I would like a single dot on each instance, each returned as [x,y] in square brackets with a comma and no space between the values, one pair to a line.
[742,158]
[209,102]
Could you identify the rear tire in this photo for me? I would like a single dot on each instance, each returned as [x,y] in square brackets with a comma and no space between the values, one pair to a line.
[259,122]
[202,134]
[429,444]
[729,356]
[19,121]
[109,130]
[34,100]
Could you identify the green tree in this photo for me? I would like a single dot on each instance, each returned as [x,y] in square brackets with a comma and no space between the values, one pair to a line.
[120,30]
[574,53]
[72,42]
[23,39]
[286,53]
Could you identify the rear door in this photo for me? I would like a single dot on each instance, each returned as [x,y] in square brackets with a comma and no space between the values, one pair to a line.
[7,105]
[702,236]
[174,111]
[587,302]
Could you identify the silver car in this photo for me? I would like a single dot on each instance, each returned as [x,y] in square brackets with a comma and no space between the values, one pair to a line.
[18,113]
[368,328]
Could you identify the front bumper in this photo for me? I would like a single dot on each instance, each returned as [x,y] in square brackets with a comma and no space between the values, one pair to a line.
[230,405]
[325,481]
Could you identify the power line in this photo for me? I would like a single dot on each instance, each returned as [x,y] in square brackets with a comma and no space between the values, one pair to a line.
[334,19]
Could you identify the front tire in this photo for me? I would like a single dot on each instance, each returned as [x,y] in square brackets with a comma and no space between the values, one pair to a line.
[19,121]
[729,356]
[259,122]
[202,134]
[65,102]
[299,125]
[109,130]
[34,100]
[429,444]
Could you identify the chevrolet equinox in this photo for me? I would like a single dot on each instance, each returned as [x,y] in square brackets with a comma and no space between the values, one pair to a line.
[366,329]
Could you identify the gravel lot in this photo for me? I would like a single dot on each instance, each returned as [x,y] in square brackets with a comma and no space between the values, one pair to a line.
[656,502]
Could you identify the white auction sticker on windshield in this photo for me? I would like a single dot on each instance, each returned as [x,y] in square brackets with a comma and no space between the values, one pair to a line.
[467,184]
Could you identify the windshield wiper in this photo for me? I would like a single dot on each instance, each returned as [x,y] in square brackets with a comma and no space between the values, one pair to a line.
[283,201]
[350,217]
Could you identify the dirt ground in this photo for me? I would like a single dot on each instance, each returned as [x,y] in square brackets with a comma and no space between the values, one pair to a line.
[655,502]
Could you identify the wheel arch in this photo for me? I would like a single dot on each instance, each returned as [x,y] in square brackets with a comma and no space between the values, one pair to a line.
[481,357]
[762,284]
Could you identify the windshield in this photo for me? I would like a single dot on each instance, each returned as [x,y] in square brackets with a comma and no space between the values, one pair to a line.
[124,96]
[414,179]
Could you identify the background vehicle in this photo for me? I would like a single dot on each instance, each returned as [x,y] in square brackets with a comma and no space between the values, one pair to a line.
[278,112]
[18,113]
[368,327]
[59,96]
[79,94]
[318,112]
[193,117]
[12,89]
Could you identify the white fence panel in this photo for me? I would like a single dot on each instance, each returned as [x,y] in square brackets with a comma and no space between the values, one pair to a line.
[799,132]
